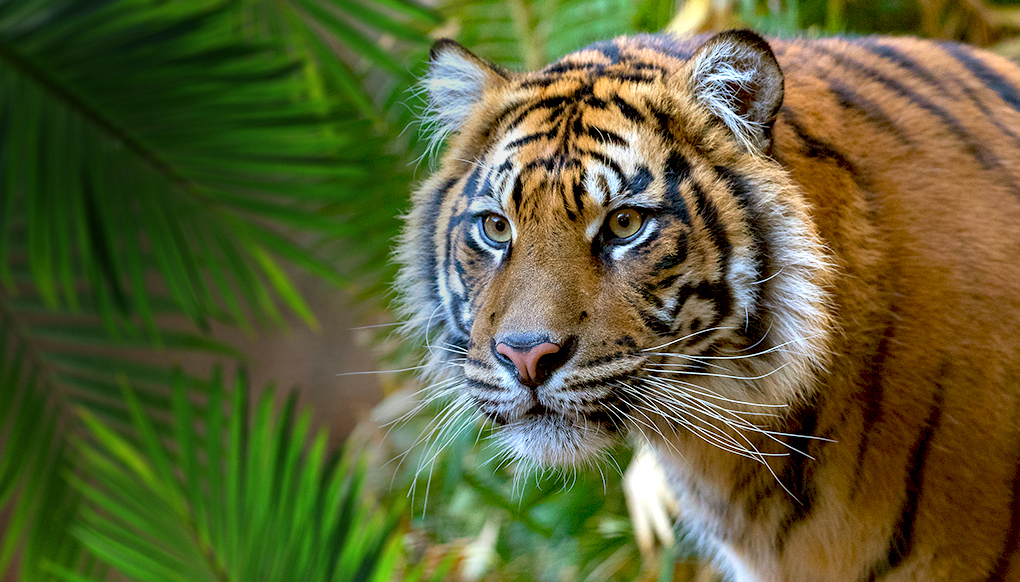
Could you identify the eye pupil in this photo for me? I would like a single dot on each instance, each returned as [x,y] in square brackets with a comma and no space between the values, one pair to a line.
[623,219]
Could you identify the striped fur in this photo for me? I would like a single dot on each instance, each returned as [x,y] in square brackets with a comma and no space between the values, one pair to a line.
[817,327]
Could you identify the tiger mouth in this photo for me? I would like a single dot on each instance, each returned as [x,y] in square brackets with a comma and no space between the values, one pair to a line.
[540,415]
[550,438]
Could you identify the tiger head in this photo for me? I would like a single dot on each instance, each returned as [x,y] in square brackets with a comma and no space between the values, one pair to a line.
[607,246]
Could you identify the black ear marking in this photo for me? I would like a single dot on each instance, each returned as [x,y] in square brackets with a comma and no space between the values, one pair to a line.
[736,76]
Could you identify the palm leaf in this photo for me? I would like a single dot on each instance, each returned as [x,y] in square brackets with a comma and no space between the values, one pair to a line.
[138,133]
[253,498]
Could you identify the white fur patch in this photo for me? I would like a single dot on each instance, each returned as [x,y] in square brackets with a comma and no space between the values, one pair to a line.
[454,84]
[716,81]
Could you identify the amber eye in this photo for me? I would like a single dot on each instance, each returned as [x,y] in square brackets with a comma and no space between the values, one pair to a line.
[624,223]
[496,228]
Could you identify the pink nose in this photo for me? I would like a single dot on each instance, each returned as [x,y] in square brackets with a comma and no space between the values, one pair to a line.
[526,361]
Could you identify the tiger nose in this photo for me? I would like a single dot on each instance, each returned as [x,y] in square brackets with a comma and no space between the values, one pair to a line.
[534,360]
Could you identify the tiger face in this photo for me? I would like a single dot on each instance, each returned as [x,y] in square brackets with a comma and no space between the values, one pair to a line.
[607,248]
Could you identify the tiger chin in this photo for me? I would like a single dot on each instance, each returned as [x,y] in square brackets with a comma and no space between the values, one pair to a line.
[789,267]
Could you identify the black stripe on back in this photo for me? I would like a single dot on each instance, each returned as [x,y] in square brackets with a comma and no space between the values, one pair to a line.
[993,80]
[815,147]
[869,110]
[903,61]
[987,76]
[987,159]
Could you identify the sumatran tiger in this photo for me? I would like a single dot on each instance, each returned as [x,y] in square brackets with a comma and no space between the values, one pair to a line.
[790,267]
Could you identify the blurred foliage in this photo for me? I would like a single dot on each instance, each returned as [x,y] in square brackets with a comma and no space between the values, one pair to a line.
[166,167]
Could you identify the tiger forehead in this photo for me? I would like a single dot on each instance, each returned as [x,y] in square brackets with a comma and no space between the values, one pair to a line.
[574,188]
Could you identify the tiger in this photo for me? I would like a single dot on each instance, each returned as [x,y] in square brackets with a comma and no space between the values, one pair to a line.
[789,268]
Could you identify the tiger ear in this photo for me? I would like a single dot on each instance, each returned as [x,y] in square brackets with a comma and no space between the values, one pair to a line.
[736,76]
[455,83]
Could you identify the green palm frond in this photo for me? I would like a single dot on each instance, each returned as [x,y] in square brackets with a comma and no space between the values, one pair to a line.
[138,134]
[50,363]
[247,498]
[161,167]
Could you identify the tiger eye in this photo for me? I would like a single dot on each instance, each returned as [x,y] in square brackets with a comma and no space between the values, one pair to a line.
[625,223]
[496,228]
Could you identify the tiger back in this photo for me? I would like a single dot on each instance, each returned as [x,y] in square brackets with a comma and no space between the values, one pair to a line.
[791,267]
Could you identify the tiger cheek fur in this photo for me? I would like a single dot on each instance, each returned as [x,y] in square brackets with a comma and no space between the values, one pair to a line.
[815,325]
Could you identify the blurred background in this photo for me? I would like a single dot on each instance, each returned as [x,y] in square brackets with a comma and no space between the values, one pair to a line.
[200,377]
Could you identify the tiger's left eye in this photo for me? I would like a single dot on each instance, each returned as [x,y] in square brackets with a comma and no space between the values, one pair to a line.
[496,229]
[624,223]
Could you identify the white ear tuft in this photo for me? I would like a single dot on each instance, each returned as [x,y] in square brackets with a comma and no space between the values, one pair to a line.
[736,76]
[454,84]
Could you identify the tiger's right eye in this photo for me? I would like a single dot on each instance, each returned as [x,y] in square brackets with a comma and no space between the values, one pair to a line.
[496,229]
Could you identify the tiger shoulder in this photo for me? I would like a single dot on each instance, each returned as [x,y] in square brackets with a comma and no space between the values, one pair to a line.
[790,267]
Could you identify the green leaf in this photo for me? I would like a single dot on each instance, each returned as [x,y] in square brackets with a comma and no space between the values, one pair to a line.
[149,515]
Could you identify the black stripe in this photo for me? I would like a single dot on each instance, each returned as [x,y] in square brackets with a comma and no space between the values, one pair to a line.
[720,295]
[603,135]
[672,260]
[903,61]
[872,394]
[578,190]
[518,192]
[608,162]
[986,158]
[471,186]
[566,205]
[639,182]
[815,147]
[662,120]
[546,163]
[715,226]
[429,270]
[1011,545]
[866,108]
[987,76]
[547,103]
[654,323]
[677,170]
[628,110]
[755,327]
[525,140]
[798,472]
[901,544]
[993,80]
[556,69]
